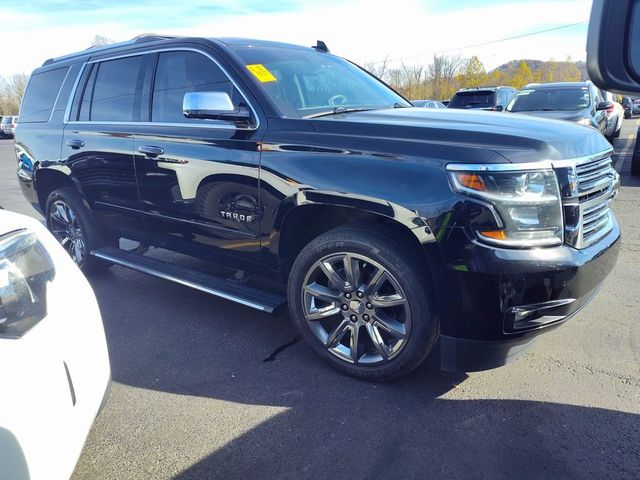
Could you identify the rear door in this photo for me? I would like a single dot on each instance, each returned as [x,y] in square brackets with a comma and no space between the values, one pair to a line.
[198,179]
[98,139]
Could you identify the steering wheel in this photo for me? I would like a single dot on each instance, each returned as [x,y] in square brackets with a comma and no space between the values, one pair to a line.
[337,100]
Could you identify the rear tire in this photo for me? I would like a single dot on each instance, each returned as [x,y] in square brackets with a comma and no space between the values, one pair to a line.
[71,222]
[382,301]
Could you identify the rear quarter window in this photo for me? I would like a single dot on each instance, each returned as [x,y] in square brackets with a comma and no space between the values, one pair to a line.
[41,95]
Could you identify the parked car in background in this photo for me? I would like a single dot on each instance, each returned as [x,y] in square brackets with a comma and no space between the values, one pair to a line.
[242,152]
[636,106]
[56,372]
[579,102]
[13,126]
[428,104]
[482,98]
[8,125]
[627,105]
[615,116]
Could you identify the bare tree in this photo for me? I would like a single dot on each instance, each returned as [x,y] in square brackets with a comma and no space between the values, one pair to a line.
[379,69]
[441,75]
[101,41]
[414,85]
[11,91]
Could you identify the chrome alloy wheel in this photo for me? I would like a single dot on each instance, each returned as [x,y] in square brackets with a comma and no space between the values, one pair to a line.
[65,227]
[356,308]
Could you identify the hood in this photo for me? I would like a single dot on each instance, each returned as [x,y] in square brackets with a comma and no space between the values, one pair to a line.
[517,138]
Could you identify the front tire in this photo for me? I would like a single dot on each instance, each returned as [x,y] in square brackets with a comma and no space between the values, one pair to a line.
[360,300]
[72,224]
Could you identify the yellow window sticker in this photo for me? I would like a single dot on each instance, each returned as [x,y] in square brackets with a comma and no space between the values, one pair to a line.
[261,73]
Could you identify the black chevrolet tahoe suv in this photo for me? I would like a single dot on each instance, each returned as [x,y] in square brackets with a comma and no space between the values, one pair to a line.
[386,228]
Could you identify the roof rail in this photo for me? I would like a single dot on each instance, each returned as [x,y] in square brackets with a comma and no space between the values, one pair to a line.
[145,37]
[151,37]
[479,87]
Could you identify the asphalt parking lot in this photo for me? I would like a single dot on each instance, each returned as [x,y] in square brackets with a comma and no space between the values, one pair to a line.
[204,388]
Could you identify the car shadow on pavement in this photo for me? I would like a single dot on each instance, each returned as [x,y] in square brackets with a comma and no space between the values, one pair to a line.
[492,439]
[172,339]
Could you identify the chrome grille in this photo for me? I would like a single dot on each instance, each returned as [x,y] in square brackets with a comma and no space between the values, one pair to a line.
[596,185]
[594,174]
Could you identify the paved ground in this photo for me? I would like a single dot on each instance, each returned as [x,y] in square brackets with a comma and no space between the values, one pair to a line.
[194,396]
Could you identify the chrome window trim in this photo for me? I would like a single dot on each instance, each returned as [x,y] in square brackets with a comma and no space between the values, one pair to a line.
[158,124]
[67,111]
[160,50]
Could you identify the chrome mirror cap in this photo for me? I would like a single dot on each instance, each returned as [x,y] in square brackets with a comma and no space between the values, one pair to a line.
[218,102]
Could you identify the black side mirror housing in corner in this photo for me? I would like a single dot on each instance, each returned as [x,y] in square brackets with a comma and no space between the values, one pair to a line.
[498,108]
[604,105]
[613,45]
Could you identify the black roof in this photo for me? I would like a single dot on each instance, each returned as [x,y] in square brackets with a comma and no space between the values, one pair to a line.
[558,84]
[490,88]
[153,38]
[114,46]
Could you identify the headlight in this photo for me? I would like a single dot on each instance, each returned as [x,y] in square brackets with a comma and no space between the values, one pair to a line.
[25,270]
[526,202]
[585,121]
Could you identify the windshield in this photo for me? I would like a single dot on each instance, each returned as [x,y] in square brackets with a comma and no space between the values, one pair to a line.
[306,82]
[548,99]
[473,100]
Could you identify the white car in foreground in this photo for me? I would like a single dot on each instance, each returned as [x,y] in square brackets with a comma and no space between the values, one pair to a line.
[55,372]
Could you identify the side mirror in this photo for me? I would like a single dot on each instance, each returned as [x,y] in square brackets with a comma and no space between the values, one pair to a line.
[604,105]
[613,45]
[498,108]
[212,106]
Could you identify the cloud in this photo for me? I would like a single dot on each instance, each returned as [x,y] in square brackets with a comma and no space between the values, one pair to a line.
[360,30]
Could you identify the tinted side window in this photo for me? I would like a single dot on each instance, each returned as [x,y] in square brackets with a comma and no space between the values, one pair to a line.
[178,73]
[115,89]
[41,95]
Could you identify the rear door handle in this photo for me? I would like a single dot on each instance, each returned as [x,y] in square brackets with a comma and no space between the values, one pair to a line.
[76,144]
[151,151]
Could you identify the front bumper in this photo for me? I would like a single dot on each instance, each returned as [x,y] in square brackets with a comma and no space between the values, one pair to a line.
[494,303]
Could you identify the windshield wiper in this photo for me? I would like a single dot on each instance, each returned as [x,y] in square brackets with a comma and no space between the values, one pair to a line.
[342,109]
[537,110]
[339,109]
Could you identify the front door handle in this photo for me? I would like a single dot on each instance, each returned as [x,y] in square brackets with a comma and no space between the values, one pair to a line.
[150,151]
[76,144]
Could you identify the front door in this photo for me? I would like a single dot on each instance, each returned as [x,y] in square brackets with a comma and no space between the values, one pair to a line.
[198,179]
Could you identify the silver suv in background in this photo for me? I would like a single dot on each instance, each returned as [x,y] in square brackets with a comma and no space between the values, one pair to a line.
[579,102]
[615,115]
[8,126]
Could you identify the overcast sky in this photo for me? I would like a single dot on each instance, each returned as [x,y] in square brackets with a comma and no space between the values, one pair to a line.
[363,31]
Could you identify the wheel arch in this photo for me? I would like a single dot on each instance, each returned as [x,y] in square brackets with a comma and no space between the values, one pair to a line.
[49,179]
[313,213]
